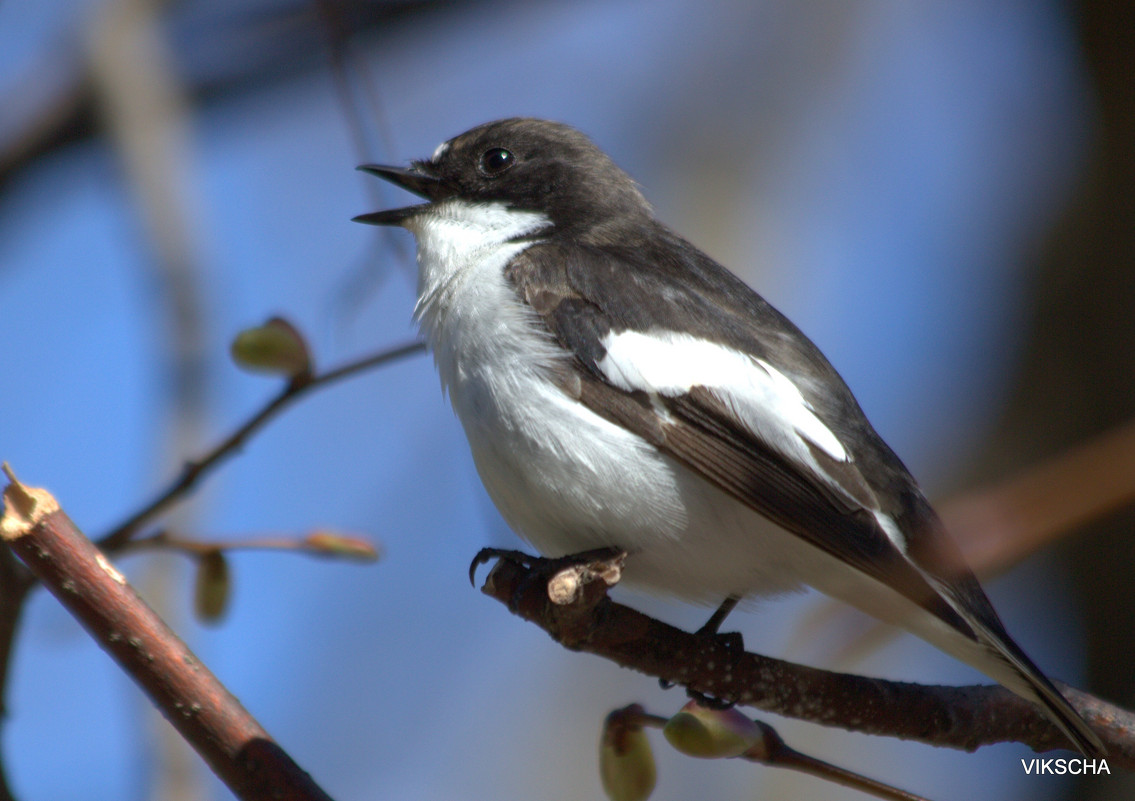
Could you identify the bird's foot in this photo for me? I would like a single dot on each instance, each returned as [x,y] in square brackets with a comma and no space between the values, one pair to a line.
[486,554]
[732,641]
[708,701]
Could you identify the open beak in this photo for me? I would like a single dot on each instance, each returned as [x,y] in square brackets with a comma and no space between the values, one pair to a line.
[414,179]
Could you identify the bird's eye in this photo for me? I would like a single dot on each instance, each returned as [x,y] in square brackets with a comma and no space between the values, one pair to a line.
[494,161]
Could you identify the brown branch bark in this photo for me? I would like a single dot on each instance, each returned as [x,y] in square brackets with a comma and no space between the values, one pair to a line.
[207,715]
[573,607]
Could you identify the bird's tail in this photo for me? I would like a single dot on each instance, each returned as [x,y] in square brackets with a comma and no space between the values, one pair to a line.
[991,650]
[1024,678]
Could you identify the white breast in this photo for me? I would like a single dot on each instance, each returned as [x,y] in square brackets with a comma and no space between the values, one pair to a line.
[563,477]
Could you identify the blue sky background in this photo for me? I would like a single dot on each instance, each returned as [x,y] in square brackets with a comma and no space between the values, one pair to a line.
[882,172]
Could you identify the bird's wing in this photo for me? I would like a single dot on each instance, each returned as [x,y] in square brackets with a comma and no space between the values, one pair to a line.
[712,375]
[670,345]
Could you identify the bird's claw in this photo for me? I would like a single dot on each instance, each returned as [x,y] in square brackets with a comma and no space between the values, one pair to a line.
[485,554]
[708,701]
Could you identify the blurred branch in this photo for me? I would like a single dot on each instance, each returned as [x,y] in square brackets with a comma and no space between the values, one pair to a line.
[338,33]
[317,543]
[999,525]
[357,93]
[144,108]
[572,605]
[195,469]
[15,583]
[222,51]
[211,719]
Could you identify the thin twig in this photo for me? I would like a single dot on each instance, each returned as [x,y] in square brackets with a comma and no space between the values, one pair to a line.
[771,750]
[357,94]
[775,752]
[317,543]
[193,470]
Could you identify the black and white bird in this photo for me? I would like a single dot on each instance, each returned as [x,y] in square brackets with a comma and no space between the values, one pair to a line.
[619,388]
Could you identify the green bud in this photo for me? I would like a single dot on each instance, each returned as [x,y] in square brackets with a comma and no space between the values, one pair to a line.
[213,587]
[711,733]
[329,543]
[626,762]
[276,347]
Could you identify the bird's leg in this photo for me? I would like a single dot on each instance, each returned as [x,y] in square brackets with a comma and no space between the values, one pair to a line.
[711,627]
[732,640]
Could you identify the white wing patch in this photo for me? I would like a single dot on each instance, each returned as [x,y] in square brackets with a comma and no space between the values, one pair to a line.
[889,527]
[763,399]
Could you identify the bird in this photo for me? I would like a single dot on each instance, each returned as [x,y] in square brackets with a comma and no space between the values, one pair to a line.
[621,389]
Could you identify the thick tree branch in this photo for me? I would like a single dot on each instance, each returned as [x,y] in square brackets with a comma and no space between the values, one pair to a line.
[572,606]
[211,719]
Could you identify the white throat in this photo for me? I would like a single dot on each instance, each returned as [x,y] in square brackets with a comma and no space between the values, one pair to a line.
[466,308]
[458,240]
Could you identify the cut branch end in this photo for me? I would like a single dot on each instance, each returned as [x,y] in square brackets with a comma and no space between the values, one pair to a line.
[23,506]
